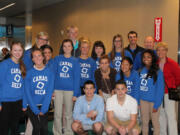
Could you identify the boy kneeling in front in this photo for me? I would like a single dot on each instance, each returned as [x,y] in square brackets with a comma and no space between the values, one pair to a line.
[88,111]
[122,112]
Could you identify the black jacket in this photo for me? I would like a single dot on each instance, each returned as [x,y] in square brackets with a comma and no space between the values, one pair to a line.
[138,49]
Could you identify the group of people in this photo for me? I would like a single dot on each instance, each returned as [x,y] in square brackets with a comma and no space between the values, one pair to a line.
[103,93]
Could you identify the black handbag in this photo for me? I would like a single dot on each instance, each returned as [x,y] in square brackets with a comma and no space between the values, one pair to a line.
[174,93]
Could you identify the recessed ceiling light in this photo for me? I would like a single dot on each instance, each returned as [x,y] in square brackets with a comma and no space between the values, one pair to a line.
[7,6]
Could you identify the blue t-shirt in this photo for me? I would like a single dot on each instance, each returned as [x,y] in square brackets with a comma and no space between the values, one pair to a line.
[97,63]
[67,74]
[150,91]
[27,59]
[50,64]
[11,82]
[39,86]
[116,64]
[88,67]
[132,82]
[137,64]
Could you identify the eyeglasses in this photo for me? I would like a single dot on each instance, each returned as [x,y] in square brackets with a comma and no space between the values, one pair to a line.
[43,39]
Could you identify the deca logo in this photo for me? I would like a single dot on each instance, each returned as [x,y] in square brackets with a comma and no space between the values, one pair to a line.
[84,70]
[65,69]
[118,63]
[40,85]
[17,78]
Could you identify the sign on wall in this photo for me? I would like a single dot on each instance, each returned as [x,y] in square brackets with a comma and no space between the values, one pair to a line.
[9,30]
[158,29]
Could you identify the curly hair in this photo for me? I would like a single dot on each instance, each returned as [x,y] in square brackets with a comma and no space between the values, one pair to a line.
[152,71]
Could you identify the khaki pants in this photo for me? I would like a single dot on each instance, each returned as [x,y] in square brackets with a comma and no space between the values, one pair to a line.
[106,96]
[146,114]
[63,97]
[123,123]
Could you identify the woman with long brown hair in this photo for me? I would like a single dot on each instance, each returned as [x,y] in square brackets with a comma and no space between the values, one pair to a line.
[117,53]
[67,82]
[12,72]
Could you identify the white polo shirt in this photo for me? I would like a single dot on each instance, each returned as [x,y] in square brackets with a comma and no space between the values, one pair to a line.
[122,112]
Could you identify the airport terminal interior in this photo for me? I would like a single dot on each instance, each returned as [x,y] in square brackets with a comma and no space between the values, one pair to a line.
[97,20]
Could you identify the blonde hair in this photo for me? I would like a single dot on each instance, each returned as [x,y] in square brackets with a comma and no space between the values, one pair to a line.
[72,27]
[42,34]
[162,44]
[83,40]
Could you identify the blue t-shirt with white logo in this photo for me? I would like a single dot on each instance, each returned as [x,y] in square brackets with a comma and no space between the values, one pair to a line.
[67,74]
[132,83]
[11,82]
[88,67]
[39,86]
[116,63]
[97,63]
[150,91]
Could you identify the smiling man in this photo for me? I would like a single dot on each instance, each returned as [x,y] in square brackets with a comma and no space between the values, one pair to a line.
[121,112]
[133,47]
[88,111]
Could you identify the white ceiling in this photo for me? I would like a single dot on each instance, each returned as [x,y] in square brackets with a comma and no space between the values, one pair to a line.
[22,6]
